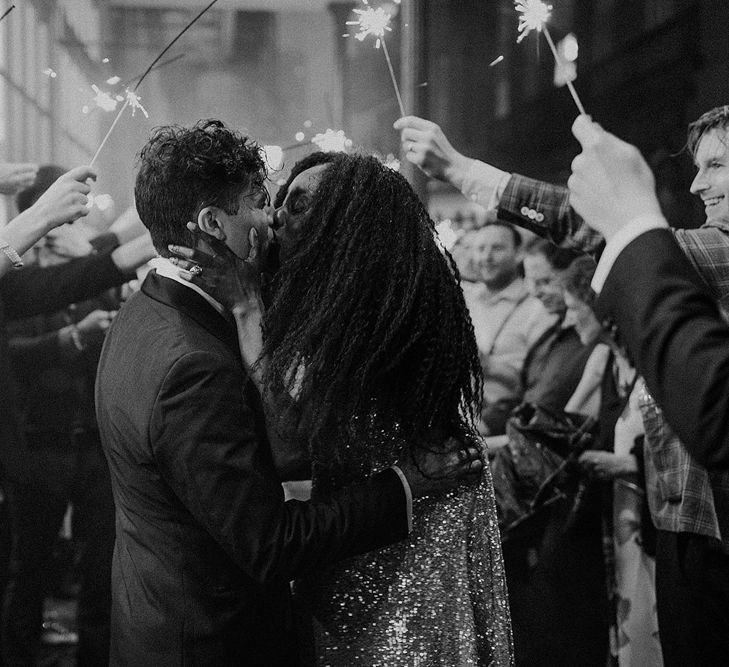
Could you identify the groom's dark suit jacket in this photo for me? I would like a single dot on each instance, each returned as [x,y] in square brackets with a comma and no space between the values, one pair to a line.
[205,543]
[679,340]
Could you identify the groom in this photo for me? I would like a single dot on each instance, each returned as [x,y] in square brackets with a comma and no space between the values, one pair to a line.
[205,544]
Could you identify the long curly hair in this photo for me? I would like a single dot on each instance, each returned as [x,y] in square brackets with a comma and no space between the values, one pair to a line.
[368,314]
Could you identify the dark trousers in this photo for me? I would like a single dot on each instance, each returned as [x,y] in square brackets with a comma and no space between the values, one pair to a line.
[692,594]
[73,471]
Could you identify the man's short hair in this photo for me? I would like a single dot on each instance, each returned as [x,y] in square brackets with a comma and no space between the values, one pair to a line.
[558,258]
[468,237]
[716,118]
[182,170]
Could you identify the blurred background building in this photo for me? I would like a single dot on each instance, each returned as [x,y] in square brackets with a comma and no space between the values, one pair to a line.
[282,71]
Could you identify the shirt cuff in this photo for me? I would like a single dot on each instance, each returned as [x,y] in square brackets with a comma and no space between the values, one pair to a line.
[622,238]
[408,496]
[484,184]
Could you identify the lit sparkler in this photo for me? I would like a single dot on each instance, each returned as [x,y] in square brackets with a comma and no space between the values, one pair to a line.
[533,15]
[132,100]
[376,22]
[332,141]
[103,100]
[131,97]
[135,103]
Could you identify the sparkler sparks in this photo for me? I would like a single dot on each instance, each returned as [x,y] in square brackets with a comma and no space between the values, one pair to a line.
[533,15]
[103,100]
[376,22]
[371,22]
[134,102]
[332,141]
[132,99]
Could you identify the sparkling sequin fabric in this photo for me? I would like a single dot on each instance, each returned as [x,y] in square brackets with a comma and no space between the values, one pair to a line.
[436,599]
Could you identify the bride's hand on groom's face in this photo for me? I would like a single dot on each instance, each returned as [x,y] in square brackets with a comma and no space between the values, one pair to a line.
[431,471]
[212,266]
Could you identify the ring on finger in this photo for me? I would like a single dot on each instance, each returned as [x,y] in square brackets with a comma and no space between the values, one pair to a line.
[196,270]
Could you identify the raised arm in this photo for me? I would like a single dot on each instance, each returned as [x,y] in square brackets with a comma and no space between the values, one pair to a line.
[540,207]
[63,202]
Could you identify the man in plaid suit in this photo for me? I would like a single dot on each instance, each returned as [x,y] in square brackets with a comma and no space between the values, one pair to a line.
[689,504]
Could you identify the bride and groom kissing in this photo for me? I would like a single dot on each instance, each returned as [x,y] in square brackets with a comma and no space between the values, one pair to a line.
[368,341]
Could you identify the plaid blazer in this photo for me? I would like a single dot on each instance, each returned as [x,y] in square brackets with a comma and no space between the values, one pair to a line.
[683,496]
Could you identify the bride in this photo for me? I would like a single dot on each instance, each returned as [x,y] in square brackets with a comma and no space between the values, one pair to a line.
[367,337]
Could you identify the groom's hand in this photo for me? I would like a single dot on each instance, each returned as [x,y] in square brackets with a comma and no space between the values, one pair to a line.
[431,471]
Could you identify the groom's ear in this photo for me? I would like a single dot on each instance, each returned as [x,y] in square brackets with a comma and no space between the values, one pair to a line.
[209,221]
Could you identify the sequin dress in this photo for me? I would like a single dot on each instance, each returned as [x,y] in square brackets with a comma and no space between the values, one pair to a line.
[436,599]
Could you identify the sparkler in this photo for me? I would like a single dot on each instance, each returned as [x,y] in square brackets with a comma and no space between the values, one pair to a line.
[7,11]
[376,22]
[533,15]
[132,99]
[331,141]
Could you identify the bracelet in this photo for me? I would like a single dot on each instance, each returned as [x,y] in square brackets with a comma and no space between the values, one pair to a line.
[11,253]
[76,338]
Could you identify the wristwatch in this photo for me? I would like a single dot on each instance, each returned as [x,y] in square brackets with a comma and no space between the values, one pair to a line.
[11,253]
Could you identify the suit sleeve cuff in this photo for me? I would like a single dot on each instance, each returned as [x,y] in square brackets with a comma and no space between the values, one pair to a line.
[622,238]
[484,184]
[408,496]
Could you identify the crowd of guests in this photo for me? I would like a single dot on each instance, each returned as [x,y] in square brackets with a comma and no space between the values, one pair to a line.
[621,556]
[681,594]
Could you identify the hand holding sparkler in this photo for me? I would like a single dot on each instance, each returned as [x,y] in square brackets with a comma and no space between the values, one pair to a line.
[611,184]
[533,15]
[66,199]
[425,145]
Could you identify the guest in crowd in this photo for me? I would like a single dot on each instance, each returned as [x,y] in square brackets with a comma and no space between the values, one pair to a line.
[54,358]
[27,478]
[507,320]
[554,364]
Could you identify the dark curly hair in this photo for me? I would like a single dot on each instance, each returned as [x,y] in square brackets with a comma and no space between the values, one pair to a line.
[182,170]
[371,308]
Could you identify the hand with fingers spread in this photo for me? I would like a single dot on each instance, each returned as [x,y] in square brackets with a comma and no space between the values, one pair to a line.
[427,147]
[15,176]
[436,470]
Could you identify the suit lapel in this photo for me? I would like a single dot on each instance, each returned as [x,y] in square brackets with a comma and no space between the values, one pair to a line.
[187,301]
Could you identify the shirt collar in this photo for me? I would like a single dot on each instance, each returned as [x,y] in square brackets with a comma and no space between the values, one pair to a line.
[167,269]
